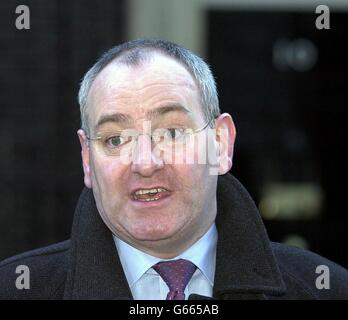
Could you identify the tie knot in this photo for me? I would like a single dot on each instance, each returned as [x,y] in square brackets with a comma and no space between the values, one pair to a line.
[176,274]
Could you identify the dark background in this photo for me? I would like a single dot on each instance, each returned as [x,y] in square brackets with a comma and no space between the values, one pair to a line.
[40,170]
[290,123]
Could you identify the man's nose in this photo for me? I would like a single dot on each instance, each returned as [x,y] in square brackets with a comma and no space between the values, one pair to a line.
[144,160]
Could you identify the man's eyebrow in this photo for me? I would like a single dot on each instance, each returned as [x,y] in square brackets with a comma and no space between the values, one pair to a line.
[115,117]
[126,119]
[160,111]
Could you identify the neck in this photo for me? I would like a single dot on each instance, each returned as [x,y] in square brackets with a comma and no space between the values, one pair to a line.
[170,248]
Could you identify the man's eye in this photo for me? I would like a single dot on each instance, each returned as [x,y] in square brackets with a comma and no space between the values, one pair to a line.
[175,133]
[114,141]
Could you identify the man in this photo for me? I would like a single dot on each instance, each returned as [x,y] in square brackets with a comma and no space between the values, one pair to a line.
[160,217]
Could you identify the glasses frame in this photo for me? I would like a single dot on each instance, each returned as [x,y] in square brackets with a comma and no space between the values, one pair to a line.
[139,134]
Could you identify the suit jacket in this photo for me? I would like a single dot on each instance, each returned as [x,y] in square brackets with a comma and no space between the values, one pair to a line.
[248,265]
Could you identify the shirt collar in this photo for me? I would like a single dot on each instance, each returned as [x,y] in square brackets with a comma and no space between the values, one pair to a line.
[202,253]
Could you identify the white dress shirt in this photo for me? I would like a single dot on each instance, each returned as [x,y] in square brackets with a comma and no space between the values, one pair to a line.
[146,284]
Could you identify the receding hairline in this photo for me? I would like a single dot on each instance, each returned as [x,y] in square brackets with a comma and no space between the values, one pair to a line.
[150,56]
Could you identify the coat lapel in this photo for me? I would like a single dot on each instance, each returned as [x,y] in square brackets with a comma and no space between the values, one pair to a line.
[245,264]
[95,269]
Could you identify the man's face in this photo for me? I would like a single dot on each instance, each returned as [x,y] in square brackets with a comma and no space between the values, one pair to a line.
[185,209]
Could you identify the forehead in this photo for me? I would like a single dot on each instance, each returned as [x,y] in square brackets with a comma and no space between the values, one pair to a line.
[134,90]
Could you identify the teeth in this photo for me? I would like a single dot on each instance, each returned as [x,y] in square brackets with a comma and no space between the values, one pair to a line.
[147,191]
[148,194]
[147,200]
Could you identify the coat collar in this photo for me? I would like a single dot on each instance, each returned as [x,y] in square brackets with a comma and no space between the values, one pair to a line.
[95,271]
[245,264]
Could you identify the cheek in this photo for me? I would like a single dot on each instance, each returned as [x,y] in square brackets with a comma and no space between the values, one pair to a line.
[194,179]
[106,177]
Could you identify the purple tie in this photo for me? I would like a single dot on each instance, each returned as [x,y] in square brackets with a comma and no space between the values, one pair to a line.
[176,274]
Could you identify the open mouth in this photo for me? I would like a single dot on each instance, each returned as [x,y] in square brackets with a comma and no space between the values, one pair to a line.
[147,195]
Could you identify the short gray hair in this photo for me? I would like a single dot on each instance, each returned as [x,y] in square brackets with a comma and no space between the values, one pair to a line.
[135,52]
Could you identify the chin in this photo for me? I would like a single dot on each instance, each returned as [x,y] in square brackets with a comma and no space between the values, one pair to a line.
[152,233]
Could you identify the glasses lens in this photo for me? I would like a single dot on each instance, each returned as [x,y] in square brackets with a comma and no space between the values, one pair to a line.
[119,143]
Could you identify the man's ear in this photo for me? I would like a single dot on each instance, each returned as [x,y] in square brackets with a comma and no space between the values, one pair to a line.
[225,138]
[85,157]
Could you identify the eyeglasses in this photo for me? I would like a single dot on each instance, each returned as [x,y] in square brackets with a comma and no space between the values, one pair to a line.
[117,143]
